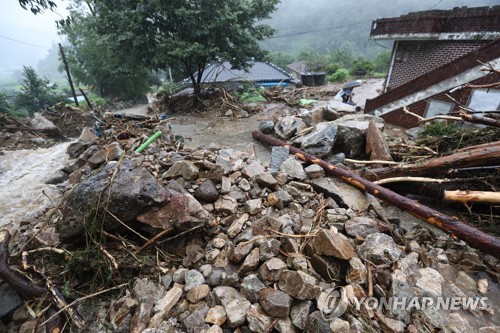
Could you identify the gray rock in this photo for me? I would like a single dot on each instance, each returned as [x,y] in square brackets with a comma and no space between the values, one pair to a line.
[278,156]
[179,275]
[253,206]
[328,243]
[338,325]
[225,295]
[266,180]
[279,199]
[362,226]
[195,322]
[300,314]
[285,325]
[258,320]
[250,286]
[216,315]
[429,283]
[338,158]
[225,164]
[215,278]
[226,205]
[293,168]
[317,323]
[287,126]
[10,299]
[163,306]
[57,178]
[187,169]
[251,261]
[236,312]
[269,247]
[206,192]
[320,141]
[336,109]
[166,280]
[351,134]
[239,252]
[231,279]
[271,270]
[299,284]
[357,272]
[266,126]
[276,303]
[236,226]
[193,278]
[253,169]
[314,171]
[225,185]
[379,249]
[297,262]
[397,326]
[244,185]
[344,194]
[125,199]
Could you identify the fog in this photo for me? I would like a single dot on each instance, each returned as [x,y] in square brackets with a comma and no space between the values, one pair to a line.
[25,37]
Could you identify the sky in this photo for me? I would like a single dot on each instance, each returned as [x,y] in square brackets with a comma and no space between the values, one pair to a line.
[22,25]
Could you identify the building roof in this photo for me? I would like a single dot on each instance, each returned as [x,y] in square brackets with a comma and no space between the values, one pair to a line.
[257,72]
[428,84]
[460,23]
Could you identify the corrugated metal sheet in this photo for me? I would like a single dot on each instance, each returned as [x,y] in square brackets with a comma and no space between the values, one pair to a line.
[257,72]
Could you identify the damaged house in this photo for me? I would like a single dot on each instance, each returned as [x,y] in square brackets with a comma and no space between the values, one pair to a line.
[436,55]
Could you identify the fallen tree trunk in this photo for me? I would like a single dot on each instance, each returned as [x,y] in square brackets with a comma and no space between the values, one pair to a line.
[482,155]
[479,119]
[451,225]
[472,196]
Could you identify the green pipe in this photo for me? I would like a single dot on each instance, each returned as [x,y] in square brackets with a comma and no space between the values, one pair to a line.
[148,142]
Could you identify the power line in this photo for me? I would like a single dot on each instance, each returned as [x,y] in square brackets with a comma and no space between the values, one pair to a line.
[317,30]
[18,41]
[436,4]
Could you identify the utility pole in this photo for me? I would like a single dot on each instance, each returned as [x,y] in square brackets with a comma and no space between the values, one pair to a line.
[63,56]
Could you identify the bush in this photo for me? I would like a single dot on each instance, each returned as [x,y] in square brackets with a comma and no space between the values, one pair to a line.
[331,68]
[382,61]
[340,75]
[362,67]
[36,93]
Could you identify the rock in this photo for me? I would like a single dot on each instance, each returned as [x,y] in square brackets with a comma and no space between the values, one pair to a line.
[357,272]
[198,293]
[258,321]
[293,168]
[351,134]
[314,171]
[187,169]
[206,192]
[216,315]
[329,268]
[276,303]
[326,242]
[226,205]
[251,261]
[338,325]
[57,178]
[183,211]
[253,206]
[225,185]
[285,325]
[39,122]
[287,126]
[297,262]
[269,247]
[195,322]
[236,312]
[180,275]
[336,109]
[163,306]
[193,278]
[337,159]
[231,279]
[244,185]
[317,323]
[279,199]
[300,314]
[401,288]
[236,226]
[10,299]
[253,169]
[225,295]
[376,144]
[271,270]
[299,284]
[76,148]
[344,194]
[333,302]
[429,283]
[124,199]
[266,126]
[320,141]
[395,326]
[87,135]
[278,156]
[239,252]
[108,153]
[482,286]
[214,329]
[362,226]
[266,180]
[250,286]
[223,163]
[379,249]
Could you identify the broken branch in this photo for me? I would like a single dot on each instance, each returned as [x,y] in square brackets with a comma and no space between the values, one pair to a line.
[451,225]
[472,196]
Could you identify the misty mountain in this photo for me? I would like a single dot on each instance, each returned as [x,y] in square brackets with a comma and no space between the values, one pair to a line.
[326,25]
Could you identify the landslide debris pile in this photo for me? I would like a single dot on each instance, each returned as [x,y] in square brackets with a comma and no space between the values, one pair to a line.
[200,240]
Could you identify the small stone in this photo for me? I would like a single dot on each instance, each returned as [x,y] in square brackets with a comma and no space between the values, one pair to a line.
[300,314]
[195,322]
[187,169]
[253,206]
[335,297]
[281,199]
[357,272]
[225,185]
[396,326]
[482,286]
[226,205]
[179,275]
[338,325]
[214,329]
[231,279]
[271,270]
[362,226]
[225,295]
[278,156]
[317,323]
[10,299]
[236,226]
[285,325]
[108,153]
[299,284]
[293,168]
[238,253]
[297,262]
[326,242]
[163,306]
[253,169]
[198,293]
[193,278]
[258,320]
[266,126]
[250,286]
[379,249]
[314,171]
[269,247]
[251,261]
[429,283]
[266,180]
[236,312]
[216,315]
[206,192]
[244,185]
[276,303]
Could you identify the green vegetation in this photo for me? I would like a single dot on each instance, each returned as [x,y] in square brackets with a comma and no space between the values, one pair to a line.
[438,129]
[340,75]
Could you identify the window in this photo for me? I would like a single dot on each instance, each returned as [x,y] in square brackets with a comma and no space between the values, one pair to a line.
[436,107]
[485,100]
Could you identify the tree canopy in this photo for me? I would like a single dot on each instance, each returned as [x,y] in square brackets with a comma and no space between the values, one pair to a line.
[37,6]
[119,39]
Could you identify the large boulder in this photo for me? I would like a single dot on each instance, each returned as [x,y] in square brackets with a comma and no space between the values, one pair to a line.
[287,126]
[320,141]
[102,194]
[351,133]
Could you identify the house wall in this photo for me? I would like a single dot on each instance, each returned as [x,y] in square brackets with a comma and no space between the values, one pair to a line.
[415,58]
[400,118]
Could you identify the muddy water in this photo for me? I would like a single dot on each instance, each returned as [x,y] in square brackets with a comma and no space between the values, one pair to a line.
[22,183]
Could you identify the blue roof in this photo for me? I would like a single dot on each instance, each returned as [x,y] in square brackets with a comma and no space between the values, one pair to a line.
[257,72]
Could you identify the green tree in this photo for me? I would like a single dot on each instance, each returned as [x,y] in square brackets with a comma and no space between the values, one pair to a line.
[4,105]
[37,6]
[281,59]
[36,93]
[382,61]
